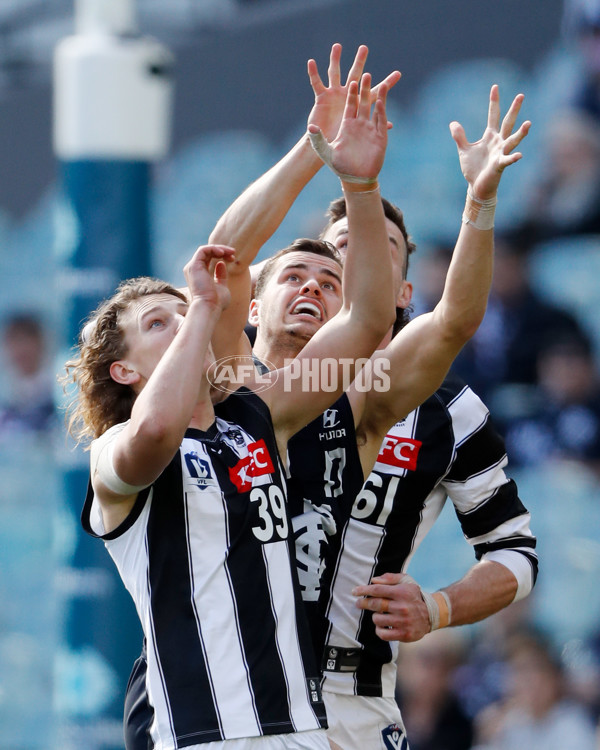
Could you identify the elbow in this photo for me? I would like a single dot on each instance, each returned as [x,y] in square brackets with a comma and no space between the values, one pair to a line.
[460,330]
[376,322]
[154,432]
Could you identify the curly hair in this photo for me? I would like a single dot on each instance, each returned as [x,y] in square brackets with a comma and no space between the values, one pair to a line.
[100,402]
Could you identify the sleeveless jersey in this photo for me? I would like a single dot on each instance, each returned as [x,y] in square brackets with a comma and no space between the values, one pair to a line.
[446,447]
[207,555]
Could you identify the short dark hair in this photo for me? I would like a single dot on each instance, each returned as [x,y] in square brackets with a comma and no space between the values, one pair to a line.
[337,211]
[303,245]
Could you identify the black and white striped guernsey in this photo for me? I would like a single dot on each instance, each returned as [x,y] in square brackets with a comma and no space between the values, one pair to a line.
[207,555]
[445,448]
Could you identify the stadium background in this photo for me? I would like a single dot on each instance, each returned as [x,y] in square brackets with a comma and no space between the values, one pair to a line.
[67,632]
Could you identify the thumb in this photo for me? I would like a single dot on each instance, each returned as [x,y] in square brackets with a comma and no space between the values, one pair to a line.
[458,134]
[220,273]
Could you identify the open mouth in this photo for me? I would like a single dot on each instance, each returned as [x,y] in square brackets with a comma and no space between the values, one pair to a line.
[307,308]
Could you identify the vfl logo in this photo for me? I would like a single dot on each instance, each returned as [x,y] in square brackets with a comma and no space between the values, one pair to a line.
[199,470]
[393,738]
[256,464]
[401,452]
[330,418]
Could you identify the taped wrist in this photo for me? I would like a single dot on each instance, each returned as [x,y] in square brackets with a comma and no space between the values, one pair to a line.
[324,150]
[479,213]
[439,609]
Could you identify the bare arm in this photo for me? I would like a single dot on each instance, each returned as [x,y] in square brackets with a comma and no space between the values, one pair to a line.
[487,588]
[431,342]
[368,304]
[176,389]
[257,213]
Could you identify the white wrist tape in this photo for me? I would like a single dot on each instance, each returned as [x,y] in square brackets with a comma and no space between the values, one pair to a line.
[324,150]
[439,609]
[479,213]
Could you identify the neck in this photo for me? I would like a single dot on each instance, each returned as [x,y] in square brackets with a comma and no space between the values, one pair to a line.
[277,352]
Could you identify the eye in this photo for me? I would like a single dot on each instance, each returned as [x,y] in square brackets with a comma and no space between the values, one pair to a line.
[156,323]
[293,277]
[328,285]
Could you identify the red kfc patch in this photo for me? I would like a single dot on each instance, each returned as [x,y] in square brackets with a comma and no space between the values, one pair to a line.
[257,463]
[399,451]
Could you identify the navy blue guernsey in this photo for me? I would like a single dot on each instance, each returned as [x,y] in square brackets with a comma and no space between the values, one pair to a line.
[324,476]
[208,556]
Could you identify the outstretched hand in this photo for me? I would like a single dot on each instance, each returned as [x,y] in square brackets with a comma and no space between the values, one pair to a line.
[330,100]
[357,152]
[483,161]
[206,275]
[399,612]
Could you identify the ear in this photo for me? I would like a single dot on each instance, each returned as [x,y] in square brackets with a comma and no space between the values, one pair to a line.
[253,312]
[404,295]
[121,373]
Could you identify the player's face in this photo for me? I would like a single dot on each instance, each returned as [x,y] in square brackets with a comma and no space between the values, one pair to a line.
[150,324]
[337,235]
[304,291]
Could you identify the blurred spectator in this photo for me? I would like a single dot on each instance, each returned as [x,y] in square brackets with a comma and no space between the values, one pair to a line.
[432,714]
[581,25]
[517,324]
[563,419]
[536,712]
[479,680]
[566,198]
[27,407]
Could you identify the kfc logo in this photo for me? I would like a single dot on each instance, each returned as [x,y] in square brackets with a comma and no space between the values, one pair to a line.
[399,451]
[256,464]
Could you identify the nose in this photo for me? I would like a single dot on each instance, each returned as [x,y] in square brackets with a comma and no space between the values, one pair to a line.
[311,286]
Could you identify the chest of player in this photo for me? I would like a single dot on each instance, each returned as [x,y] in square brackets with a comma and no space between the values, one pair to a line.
[230,488]
[413,458]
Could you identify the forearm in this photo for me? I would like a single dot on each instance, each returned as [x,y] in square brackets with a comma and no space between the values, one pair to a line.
[368,290]
[487,588]
[257,213]
[165,405]
[464,300]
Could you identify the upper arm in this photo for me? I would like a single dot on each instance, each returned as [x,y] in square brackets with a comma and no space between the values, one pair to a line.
[322,371]
[228,338]
[416,361]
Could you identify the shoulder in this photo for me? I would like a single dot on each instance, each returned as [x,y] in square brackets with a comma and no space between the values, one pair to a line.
[103,443]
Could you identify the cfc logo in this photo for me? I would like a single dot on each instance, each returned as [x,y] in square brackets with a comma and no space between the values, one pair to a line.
[399,451]
[256,464]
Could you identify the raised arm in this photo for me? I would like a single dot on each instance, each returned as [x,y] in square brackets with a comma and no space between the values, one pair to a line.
[166,365]
[421,354]
[356,155]
[257,213]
